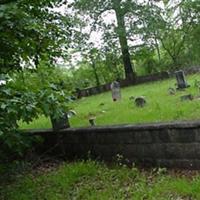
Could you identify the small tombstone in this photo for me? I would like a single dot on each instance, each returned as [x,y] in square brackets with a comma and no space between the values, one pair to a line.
[92,121]
[140,101]
[187,97]
[115,88]
[171,91]
[60,123]
[181,81]
[71,113]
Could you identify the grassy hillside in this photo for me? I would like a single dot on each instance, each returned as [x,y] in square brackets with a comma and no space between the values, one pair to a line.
[161,107]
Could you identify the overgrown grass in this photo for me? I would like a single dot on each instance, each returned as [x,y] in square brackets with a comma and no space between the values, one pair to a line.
[161,107]
[91,180]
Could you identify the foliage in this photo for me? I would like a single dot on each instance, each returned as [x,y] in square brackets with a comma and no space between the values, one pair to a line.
[145,59]
[31,32]
[32,35]
[171,29]
[25,97]
[95,11]
[96,68]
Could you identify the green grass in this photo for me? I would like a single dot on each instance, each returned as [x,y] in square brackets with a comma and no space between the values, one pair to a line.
[161,107]
[90,180]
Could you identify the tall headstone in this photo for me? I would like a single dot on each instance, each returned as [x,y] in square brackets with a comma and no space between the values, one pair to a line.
[116,92]
[60,123]
[181,81]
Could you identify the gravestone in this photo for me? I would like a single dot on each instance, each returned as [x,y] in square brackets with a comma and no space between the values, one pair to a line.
[116,92]
[171,91]
[92,121]
[140,101]
[71,113]
[187,97]
[181,81]
[60,123]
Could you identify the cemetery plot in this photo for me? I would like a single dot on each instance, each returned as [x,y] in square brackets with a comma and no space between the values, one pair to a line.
[116,92]
[153,102]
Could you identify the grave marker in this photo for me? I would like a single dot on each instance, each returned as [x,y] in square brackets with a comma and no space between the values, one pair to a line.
[60,123]
[115,88]
[181,81]
[92,121]
[140,101]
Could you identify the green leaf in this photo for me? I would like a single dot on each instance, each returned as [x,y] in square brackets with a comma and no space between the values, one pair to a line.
[3,106]
[1,133]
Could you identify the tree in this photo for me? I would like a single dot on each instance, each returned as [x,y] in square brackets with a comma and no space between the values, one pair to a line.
[91,57]
[95,9]
[169,28]
[190,15]
[152,22]
[31,32]
[26,96]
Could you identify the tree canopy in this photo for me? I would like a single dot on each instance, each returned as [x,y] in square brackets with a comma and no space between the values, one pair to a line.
[31,31]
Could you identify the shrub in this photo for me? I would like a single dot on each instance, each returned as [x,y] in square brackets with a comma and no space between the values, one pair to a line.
[26,102]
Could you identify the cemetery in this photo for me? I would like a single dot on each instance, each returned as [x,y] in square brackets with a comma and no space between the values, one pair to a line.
[171,142]
[160,106]
[99,100]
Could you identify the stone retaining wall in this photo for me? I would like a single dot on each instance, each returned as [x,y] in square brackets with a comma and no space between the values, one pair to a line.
[174,145]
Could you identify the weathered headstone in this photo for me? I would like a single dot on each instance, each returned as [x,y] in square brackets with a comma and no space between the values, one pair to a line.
[171,91]
[92,121]
[187,97]
[71,113]
[140,101]
[60,123]
[181,81]
[115,88]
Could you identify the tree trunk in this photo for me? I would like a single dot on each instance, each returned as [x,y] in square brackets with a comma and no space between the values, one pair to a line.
[157,47]
[95,74]
[121,31]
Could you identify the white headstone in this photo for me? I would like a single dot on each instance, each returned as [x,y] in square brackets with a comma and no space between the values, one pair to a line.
[115,88]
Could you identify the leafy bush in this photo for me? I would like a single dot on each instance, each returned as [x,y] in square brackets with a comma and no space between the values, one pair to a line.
[24,100]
